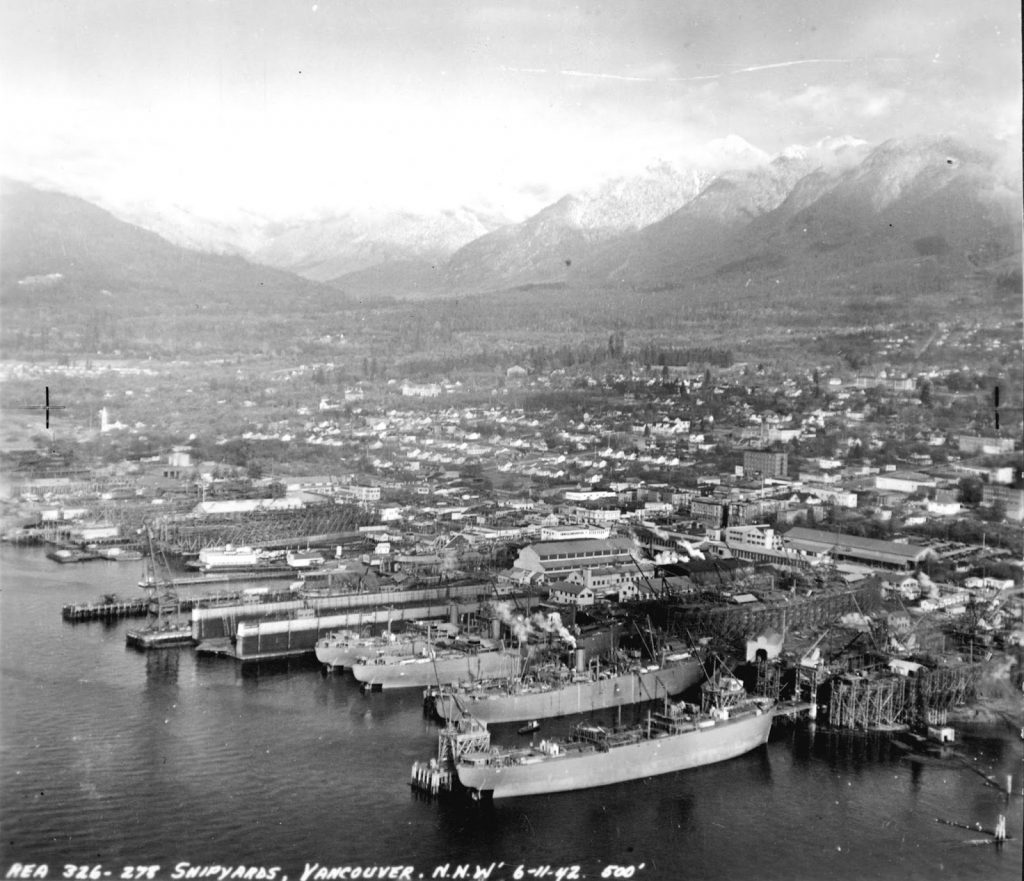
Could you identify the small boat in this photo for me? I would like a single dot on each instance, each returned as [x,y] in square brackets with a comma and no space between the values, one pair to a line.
[156,636]
[529,727]
[71,555]
[120,555]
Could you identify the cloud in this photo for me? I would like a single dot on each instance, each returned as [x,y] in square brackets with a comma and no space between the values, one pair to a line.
[435,105]
[832,104]
[661,76]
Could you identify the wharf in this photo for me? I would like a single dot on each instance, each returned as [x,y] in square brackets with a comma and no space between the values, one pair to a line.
[115,607]
[102,610]
[791,708]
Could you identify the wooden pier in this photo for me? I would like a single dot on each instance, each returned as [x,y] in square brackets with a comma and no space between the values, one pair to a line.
[117,607]
[114,608]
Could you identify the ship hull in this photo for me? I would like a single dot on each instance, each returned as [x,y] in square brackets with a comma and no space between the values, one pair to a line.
[419,672]
[577,697]
[538,774]
[337,654]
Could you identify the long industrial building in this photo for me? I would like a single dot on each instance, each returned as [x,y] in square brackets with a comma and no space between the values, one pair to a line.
[845,548]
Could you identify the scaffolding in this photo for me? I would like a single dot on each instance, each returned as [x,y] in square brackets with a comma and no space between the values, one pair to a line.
[934,692]
[324,524]
[805,687]
[768,680]
[868,702]
[777,611]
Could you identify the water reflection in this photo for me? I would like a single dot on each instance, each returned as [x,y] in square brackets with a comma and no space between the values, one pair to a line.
[162,665]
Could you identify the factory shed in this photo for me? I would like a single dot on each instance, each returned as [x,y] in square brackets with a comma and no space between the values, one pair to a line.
[843,547]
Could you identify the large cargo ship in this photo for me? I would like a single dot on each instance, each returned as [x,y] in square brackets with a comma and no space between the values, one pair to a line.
[561,692]
[467,660]
[681,737]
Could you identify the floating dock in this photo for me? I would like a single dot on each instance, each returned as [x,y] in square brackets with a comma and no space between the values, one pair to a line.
[295,636]
[217,621]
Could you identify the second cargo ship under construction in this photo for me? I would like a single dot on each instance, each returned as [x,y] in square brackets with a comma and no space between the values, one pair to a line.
[468,659]
[561,692]
[343,648]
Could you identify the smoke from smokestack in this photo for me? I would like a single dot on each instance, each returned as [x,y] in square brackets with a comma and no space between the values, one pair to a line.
[694,552]
[539,623]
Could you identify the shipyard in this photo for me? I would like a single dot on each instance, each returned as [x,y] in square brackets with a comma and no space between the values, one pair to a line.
[477,644]
[563,603]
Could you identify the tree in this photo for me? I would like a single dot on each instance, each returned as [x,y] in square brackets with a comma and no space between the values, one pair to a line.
[996,512]
[925,393]
[970,491]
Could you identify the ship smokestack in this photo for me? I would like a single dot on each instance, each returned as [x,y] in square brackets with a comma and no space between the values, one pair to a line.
[581,660]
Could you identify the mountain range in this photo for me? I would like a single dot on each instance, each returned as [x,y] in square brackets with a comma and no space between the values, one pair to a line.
[64,255]
[841,210]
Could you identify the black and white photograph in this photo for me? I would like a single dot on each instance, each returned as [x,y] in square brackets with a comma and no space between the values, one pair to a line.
[515,440]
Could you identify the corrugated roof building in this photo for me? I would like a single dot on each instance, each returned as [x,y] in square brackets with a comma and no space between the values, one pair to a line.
[556,558]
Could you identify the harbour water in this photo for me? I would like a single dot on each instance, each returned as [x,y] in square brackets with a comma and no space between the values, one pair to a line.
[115,758]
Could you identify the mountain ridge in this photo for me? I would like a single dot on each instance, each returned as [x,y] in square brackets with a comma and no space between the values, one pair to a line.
[837,209]
[71,248]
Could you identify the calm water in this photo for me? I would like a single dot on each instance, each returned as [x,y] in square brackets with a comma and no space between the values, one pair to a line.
[122,758]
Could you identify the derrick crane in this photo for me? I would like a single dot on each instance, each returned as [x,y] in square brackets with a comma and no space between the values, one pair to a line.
[164,603]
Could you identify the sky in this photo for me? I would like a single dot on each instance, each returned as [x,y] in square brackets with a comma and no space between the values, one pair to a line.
[282,109]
